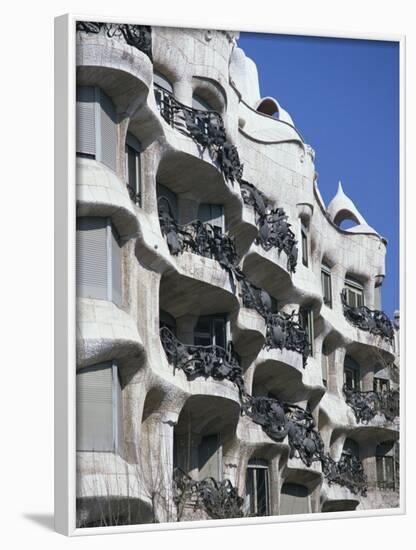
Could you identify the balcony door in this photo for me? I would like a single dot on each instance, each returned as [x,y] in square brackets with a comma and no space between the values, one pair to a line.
[211,330]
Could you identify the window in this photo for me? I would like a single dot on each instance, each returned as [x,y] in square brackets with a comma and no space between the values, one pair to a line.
[294,499]
[304,238]
[326,285]
[133,167]
[164,96]
[211,331]
[386,466]
[351,374]
[98,260]
[354,293]
[213,214]
[351,448]
[307,322]
[96,126]
[324,365]
[257,488]
[381,385]
[210,457]
[200,104]
[98,409]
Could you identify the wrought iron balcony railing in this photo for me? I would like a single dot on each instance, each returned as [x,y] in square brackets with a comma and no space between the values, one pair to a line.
[347,472]
[206,128]
[133,194]
[219,499]
[374,321]
[207,361]
[283,331]
[279,420]
[274,229]
[138,36]
[200,238]
[367,404]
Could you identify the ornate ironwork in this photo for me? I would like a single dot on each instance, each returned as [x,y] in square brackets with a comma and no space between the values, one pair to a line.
[254,297]
[220,499]
[206,128]
[304,439]
[138,36]
[275,232]
[374,321]
[206,361]
[274,229]
[367,404]
[347,472]
[269,414]
[283,331]
[197,237]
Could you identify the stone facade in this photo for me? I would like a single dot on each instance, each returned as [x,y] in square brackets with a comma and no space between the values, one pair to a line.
[251,364]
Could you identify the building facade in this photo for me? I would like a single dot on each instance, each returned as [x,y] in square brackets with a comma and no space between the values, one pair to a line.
[232,356]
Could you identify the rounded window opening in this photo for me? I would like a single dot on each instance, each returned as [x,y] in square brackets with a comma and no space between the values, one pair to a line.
[268,106]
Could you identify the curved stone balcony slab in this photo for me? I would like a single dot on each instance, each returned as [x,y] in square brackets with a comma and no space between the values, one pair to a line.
[374,434]
[177,383]
[122,71]
[249,330]
[105,333]
[267,269]
[198,283]
[101,193]
[106,483]
[335,498]
[254,440]
[297,472]
[282,373]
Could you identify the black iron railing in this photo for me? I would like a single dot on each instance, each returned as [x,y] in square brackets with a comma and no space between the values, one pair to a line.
[279,420]
[206,128]
[200,238]
[138,36]
[347,472]
[374,321]
[367,404]
[285,331]
[206,361]
[219,499]
[274,229]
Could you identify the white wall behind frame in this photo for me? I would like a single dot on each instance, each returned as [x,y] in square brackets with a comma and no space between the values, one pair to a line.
[27,223]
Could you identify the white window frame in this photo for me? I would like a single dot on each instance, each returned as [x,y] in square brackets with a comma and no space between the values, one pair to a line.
[357,289]
[253,466]
[326,272]
[133,143]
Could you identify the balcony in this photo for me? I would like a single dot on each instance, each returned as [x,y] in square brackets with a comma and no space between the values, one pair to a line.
[199,238]
[138,36]
[373,321]
[279,420]
[347,472]
[219,499]
[207,361]
[368,404]
[274,229]
[205,128]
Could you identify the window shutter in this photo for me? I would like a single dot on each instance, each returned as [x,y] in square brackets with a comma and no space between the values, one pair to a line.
[95,430]
[85,128]
[294,499]
[92,260]
[116,269]
[108,131]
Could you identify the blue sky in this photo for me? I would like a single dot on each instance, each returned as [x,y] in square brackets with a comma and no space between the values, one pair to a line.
[343,96]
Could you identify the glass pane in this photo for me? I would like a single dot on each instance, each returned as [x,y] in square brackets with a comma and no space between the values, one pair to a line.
[219,333]
[262,492]
[202,333]
[249,503]
[132,168]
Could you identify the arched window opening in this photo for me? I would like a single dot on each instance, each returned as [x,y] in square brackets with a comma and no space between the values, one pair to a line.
[257,497]
[294,499]
[351,374]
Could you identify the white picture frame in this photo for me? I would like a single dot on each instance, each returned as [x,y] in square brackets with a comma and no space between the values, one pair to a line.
[65,296]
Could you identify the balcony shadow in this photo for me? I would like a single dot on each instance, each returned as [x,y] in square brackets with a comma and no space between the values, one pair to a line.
[44,520]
